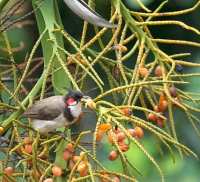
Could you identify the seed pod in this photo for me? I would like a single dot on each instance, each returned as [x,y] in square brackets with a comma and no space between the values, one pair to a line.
[113,155]
[91,104]
[56,171]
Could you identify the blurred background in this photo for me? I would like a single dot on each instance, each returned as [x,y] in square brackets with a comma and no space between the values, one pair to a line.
[180,170]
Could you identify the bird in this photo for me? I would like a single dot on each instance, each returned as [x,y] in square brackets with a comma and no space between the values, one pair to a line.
[56,111]
[80,8]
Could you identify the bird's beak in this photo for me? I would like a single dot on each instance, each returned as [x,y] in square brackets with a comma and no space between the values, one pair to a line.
[85,98]
[80,8]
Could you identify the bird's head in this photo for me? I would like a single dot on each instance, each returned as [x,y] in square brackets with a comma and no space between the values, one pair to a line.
[73,104]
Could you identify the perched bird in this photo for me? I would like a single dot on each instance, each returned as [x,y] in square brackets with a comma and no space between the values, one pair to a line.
[80,8]
[56,111]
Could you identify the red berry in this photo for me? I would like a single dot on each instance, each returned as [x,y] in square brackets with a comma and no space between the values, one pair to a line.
[8,171]
[67,155]
[28,148]
[152,117]
[131,132]
[70,147]
[113,155]
[27,140]
[173,91]
[158,71]
[124,147]
[139,132]
[160,122]
[57,171]
[120,136]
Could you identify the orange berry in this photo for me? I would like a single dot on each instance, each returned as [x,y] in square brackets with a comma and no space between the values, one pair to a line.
[163,106]
[120,136]
[113,155]
[27,140]
[57,171]
[99,135]
[104,127]
[82,168]
[143,71]
[9,171]
[139,132]
[76,158]
[152,117]
[124,147]
[67,155]
[84,173]
[70,147]
[48,180]
[1,130]
[28,148]
[111,137]
[158,71]
[126,111]
[156,109]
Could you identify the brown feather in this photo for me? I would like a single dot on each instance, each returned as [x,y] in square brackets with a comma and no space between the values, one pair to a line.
[46,109]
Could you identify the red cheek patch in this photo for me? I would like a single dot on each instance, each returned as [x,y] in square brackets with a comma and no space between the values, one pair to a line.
[70,101]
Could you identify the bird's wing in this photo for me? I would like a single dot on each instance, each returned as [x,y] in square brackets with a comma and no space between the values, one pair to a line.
[46,109]
[80,8]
